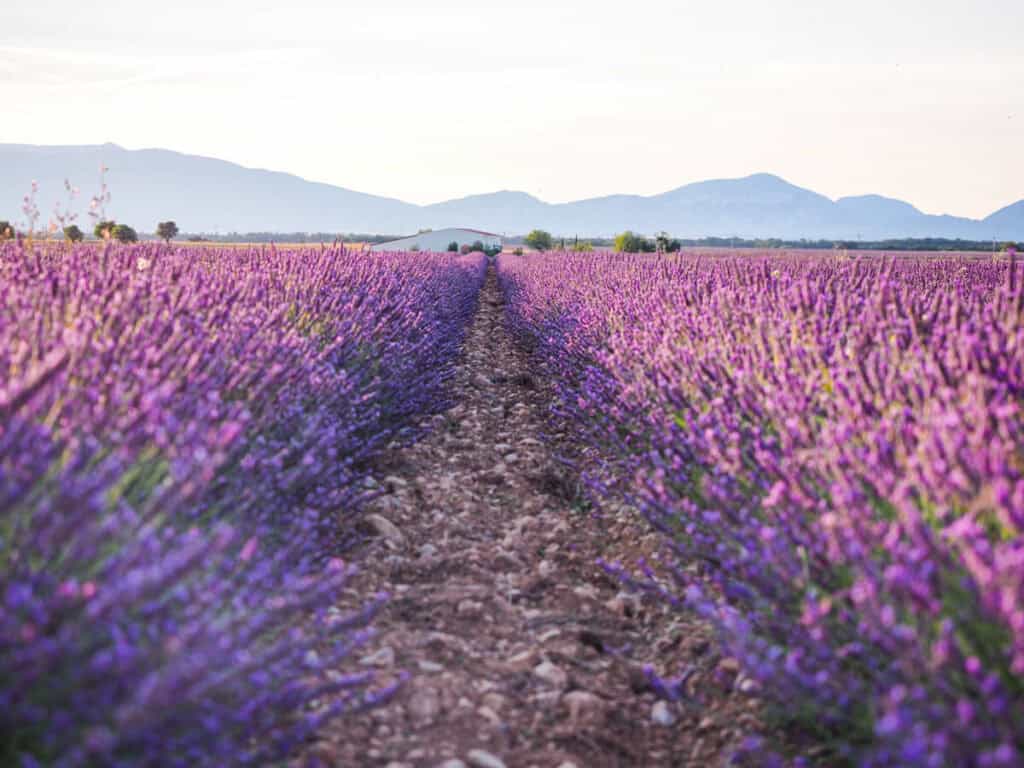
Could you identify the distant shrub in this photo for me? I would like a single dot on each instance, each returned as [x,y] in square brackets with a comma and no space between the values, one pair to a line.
[517,251]
[492,250]
[539,240]
[453,247]
[167,230]
[582,246]
[125,234]
[104,229]
[478,245]
[73,234]
[630,242]
[6,231]
[465,249]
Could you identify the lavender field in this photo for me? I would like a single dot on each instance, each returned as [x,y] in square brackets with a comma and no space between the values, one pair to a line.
[184,434]
[831,450]
[320,506]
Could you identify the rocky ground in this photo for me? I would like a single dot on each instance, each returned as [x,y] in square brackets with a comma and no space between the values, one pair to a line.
[520,650]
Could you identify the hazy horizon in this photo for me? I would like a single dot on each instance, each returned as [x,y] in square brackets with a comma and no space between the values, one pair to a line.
[564,100]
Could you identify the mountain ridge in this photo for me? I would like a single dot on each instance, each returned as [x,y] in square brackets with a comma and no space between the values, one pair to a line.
[206,194]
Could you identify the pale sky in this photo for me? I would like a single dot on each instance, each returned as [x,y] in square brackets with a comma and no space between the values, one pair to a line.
[564,99]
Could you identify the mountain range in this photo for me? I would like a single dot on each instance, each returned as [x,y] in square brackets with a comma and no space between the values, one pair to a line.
[207,195]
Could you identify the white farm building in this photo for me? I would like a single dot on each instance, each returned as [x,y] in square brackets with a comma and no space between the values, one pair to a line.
[439,240]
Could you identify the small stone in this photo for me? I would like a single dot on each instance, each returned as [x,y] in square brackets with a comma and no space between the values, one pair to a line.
[587,592]
[583,706]
[424,705]
[624,604]
[522,661]
[385,528]
[729,665]
[749,686]
[546,700]
[469,608]
[452,763]
[551,674]
[481,758]
[546,568]
[481,381]
[427,550]
[429,666]
[396,481]
[490,715]
[661,714]
[502,447]
[525,522]
[511,458]
[494,700]
[385,657]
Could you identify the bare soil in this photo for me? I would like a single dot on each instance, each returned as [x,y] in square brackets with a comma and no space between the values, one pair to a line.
[521,651]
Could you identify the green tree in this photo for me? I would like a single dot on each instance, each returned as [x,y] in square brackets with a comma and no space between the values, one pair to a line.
[453,247]
[104,229]
[125,234]
[629,242]
[167,231]
[582,246]
[478,245]
[6,231]
[73,234]
[539,240]
[661,241]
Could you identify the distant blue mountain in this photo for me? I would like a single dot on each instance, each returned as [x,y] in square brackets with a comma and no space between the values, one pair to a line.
[206,195]
[1007,223]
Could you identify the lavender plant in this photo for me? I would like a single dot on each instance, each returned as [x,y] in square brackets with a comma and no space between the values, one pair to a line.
[184,435]
[832,452]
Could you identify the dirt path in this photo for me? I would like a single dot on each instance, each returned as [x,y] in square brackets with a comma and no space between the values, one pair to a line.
[521,651]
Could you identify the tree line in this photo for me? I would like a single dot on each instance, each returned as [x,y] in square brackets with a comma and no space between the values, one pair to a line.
[104,230]
[630,242]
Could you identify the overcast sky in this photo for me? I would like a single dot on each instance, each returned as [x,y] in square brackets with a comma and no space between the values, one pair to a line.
[921,100]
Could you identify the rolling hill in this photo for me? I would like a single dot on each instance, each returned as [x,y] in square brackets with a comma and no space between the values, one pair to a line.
[206,195]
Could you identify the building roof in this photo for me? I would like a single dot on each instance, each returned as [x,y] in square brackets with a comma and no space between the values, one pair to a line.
[443,229]
[478,231]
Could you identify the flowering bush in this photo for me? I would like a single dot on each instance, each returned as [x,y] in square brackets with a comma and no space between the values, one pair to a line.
[832,451]
[183,440]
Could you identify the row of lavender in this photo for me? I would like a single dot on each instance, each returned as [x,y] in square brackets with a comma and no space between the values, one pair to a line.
[184,435]
[834,453]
